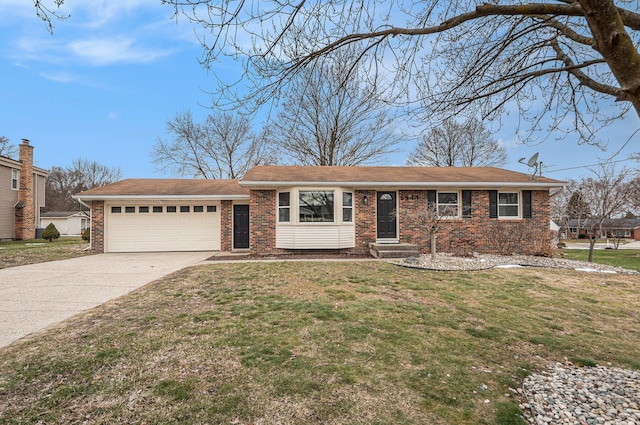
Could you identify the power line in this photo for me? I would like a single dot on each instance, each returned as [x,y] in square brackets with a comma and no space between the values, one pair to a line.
[590,165]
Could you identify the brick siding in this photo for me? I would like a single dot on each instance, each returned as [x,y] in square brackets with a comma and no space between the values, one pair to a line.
[478,233]
[226,230]
[262,222]
[25,217]
[97,226]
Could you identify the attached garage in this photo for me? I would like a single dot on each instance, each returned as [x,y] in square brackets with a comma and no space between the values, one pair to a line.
[162,226]
[146,215]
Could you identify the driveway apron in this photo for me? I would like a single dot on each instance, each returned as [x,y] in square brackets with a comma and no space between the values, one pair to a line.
[38,295]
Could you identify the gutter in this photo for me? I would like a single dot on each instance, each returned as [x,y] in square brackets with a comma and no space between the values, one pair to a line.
[163,197]
[413,185]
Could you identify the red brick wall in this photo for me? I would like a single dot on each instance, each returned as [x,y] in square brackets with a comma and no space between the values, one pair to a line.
[25,218]
[226,212]
[97,226]
[365,220]
[262,222]
[478,233]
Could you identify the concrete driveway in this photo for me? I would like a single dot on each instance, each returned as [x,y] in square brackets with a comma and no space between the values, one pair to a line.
[38,295]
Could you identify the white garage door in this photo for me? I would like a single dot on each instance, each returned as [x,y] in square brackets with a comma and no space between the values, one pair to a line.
[167,227]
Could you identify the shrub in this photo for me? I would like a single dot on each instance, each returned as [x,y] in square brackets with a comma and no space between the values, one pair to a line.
[50,233]
[86,235]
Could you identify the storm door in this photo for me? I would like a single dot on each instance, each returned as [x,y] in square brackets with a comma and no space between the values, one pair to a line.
[387,220]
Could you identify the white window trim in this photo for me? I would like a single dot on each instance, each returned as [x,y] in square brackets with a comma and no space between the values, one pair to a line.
[15,177]
[294,206]
[458,209]
[350,207]
[283,207]
[518,204]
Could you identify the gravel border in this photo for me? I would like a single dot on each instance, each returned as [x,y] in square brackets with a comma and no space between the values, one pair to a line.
[448,262]
[566,394]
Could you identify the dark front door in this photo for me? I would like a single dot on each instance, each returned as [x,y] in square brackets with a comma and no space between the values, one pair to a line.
[240,226]
[387,215]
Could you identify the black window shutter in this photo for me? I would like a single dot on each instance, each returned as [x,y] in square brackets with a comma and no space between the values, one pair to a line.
[431,199]
[466,203]
[493,204]
[526,204]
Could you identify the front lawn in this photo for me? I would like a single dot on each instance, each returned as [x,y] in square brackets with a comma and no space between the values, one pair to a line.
[319,343]
[625,258]
[19,253]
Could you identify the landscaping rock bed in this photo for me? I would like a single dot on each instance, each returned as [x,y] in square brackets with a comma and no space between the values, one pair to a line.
[447,262]
[565,394]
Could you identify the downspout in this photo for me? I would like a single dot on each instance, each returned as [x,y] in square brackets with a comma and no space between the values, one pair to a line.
[90,222]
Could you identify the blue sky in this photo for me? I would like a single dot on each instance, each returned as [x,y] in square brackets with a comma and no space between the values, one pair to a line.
[104,84]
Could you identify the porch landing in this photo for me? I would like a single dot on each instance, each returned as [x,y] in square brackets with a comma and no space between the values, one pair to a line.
[393,250]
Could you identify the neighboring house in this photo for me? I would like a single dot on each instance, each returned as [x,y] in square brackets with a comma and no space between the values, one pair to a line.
[21,195]
[68,223]
[625,228]
[280,209]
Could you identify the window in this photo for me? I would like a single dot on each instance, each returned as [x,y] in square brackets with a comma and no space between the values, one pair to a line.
[211,208]
[347,207]
[315,207]
[284,207]
[14,179]
[448,204]
[621,233]
[157,209]
[171,209]
[129,210]
[116,210]
[185,208]
[143,209]
[198,208]
[508,204]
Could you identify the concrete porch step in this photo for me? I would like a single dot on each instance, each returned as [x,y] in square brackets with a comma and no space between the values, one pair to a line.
[393,250]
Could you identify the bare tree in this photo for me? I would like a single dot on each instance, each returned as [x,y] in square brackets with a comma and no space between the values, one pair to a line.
[605,194]
[454,144]
[82,174]
[555,60]
[331,115]
[7,149]
[222,147]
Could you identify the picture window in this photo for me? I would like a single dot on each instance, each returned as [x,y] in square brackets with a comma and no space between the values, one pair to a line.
[315,207]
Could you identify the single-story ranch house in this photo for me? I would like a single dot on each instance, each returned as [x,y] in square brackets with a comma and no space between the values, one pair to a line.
[280,209]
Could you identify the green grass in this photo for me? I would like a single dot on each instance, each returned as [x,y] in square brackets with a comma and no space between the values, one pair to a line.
[305,343]
[19,253]
[625,258]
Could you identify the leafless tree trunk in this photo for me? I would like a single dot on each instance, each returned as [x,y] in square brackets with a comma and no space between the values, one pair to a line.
[454,144]
[223,147]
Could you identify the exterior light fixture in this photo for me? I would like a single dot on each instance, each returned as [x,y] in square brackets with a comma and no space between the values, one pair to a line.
[365,199]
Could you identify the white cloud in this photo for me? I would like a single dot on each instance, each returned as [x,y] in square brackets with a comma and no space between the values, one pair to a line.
[60,77]
[107,51]
[113,115]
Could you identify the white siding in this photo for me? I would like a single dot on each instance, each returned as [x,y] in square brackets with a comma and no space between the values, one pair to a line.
[178,231]
[321,236]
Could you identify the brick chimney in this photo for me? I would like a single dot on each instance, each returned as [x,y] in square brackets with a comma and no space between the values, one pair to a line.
[25,208]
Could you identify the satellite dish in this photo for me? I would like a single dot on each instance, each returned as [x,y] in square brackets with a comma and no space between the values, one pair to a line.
[533,161]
